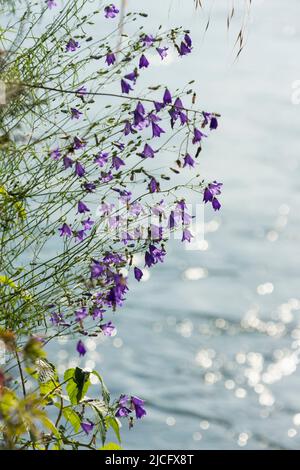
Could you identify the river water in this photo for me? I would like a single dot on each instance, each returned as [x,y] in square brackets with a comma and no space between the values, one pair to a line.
[211,340]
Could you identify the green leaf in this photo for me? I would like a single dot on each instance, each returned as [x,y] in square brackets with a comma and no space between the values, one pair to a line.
[72,417]
[114,424]
[78,384]
[111,446]
[105,392]
[49,388]
[101,410]
[48,424]
[5,280]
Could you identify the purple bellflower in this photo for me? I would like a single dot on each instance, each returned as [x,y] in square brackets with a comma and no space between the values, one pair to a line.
[143,62]
[138,273]
[125,87]
[87,426]
[138,405]
[65,230]
[111,11]
[81,348]
[72,45]
[110,58]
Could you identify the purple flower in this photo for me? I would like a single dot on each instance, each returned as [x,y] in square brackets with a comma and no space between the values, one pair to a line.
[56,318]
[178,104]
[186,235]
[216,204]
[78,143]
[138,274]
[81,348]
[120,145]
[153,185]
[183,118]
[148,152]
[125,196]
[158,106]
[116,294]
[162,52]
[106,177]
[113,258]
[128,129]
[138,405]
[123,410]
[87,223]
[82,208]
[101,159]
[152,117]
[55,154]
[97,313]
[147,41]
[157,254]
[81,314]
[210,193]
[167,99]
[156,130]
[139,114]
[156,232]
[158,209]
[87,426]
[117,162]
[105,208]
[82,91]
[72,45]
[68,162]
[108,328]
[207,117]
[132,76]
[213,123]
[143,63]
[172,223]
[181,205]
[198,135]
[97,269]
[75,113]
[213,189]
[51,4]
[153,256]
[136,208]
[177,112]
[149,259]
[125,86]
[79,170]
[188,40]
[89,187]
[188,161]
[110,58]
[65,230]
[184,49]
[111,11]
[80,235]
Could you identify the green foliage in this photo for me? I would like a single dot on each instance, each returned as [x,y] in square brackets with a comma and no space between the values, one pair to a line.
[78,383]
[111,446]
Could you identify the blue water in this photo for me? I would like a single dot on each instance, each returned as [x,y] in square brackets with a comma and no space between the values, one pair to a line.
[211,340]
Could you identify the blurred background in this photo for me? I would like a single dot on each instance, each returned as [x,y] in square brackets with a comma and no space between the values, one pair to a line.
[211,339]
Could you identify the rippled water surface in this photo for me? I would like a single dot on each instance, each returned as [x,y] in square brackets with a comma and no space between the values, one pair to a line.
[211,340]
